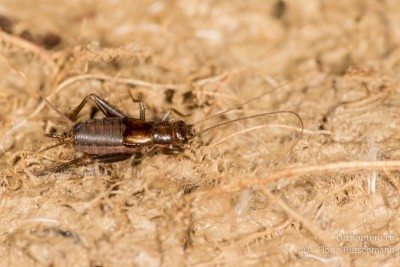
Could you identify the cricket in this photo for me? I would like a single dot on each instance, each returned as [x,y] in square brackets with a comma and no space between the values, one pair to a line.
[117,137]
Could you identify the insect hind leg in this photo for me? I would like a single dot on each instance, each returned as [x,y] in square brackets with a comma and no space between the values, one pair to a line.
[59,167]
[110,158]
[108,109]
[83,161]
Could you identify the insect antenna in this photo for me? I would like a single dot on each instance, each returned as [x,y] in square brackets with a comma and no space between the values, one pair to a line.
[244,103]
[250,117]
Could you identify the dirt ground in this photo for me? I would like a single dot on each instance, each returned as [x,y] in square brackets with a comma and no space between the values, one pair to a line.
[257,192]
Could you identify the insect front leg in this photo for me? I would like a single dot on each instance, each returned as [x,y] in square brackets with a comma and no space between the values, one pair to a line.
[108,109]
[185,150]
[165,116]
[191,154]
[172,150]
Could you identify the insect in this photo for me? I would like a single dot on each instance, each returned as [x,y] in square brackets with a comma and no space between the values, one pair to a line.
[117,137]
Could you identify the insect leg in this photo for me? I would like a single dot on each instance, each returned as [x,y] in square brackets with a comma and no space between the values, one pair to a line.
[82,161]
[108,109]
[166,114]
[59,167]
[172,150]
[142,110]
[141,106]
[110,158]
[186,150]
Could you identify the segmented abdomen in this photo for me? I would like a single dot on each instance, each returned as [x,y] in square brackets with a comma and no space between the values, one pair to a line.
[100,136]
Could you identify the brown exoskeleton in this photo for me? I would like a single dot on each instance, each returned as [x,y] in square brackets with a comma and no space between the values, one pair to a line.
[118,137]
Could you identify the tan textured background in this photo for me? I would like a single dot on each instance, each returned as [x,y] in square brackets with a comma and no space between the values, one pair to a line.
[259,198]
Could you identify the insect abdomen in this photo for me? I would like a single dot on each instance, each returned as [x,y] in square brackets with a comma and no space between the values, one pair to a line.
[100,136]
